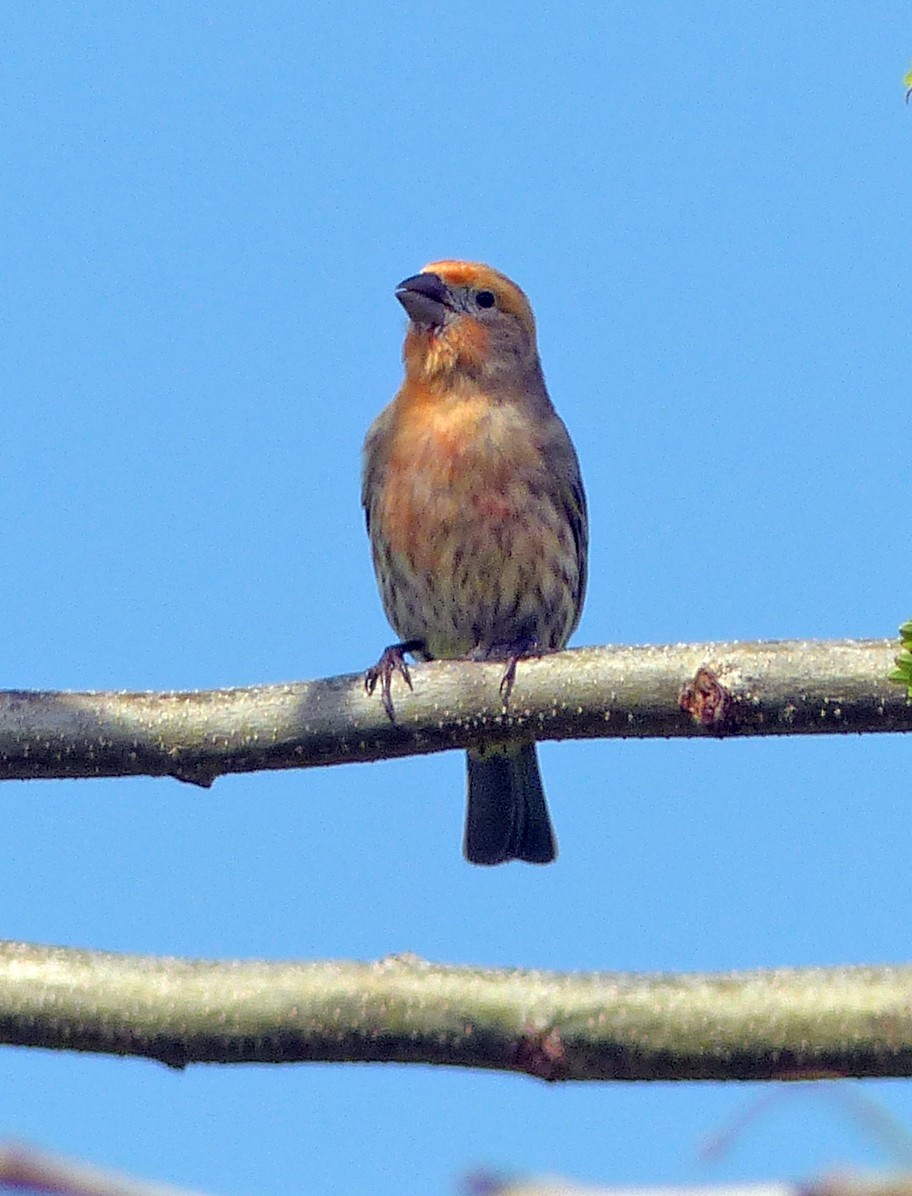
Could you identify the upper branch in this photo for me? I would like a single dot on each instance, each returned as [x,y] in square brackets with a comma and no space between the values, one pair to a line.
[776,688]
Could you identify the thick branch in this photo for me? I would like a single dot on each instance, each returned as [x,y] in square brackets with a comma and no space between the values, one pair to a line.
[783,1024]
[778,688]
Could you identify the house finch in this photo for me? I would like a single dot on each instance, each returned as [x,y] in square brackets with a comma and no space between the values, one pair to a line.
[477,521]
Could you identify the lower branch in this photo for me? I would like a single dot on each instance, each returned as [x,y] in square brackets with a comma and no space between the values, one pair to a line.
[786,1024]
[779,688]
[25,1168]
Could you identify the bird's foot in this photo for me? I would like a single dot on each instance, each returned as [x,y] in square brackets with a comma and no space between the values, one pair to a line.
[392,661]
[510,654]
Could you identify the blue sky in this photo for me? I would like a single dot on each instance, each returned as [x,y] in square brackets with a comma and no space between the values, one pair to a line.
[206,209]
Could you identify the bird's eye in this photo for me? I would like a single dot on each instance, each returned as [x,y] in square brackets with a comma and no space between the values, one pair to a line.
[485,299]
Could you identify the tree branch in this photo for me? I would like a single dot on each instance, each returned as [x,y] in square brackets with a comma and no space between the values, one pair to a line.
[777,688]
[781,1024]
[25,1168]
[841,1183]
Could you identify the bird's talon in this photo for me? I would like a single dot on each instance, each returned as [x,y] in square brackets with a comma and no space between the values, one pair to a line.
[507,681]
[392,661]
[512,654]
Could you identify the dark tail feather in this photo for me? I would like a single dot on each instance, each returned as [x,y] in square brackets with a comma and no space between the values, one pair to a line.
[507,816]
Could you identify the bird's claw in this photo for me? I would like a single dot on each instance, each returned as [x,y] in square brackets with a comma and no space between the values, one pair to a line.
[392,661]
[511,654]
[507,681]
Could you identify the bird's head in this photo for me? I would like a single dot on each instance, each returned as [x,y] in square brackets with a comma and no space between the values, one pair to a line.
[466,321]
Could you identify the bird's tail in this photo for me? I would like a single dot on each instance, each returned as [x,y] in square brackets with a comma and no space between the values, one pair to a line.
[507,815]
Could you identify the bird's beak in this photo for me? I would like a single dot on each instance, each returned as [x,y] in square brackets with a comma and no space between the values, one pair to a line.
[426,299]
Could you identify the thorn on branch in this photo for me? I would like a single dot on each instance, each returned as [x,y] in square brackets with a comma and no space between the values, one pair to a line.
[708,702]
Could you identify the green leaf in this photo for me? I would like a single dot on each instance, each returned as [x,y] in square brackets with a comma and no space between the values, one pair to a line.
[902,674]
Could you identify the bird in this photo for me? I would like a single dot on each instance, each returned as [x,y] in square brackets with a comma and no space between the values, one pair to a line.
[477,520]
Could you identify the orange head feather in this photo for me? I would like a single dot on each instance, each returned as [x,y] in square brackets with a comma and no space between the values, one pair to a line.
[469,322]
